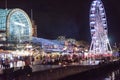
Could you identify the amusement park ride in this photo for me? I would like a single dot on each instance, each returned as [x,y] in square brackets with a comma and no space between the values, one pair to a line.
[99,32]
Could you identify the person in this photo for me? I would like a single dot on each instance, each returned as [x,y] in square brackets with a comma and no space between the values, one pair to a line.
[1,61]
[27,69]
[27,61]
[32,60]
[7,65]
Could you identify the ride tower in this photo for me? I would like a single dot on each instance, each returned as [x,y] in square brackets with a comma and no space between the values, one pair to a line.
[98,28]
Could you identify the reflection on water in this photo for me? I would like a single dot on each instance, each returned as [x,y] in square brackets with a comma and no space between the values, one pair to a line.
[108,73]
[112,74]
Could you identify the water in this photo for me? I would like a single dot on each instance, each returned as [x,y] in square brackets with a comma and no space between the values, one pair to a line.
[102,74]
[107,75]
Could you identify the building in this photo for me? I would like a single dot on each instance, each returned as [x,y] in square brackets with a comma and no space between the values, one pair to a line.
[15,26]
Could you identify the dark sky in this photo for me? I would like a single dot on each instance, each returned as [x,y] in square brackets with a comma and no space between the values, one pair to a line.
[69,18]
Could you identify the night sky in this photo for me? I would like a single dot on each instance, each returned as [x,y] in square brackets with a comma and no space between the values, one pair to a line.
[68,18]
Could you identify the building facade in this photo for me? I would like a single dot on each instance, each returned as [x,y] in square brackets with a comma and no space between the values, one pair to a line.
[15,26]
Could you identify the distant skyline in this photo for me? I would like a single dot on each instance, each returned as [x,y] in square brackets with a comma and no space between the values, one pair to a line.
[69,18]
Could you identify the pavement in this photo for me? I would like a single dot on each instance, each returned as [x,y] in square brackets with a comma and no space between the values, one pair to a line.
[38,67]
[43,67]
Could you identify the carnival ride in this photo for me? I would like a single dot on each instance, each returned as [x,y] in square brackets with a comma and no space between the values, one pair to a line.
[99,32]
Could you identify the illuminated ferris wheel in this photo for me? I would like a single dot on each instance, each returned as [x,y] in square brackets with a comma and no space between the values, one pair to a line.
[98,27]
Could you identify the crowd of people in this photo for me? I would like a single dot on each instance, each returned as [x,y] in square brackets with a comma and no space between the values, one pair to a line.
[48,59]
[14,62]
[65,59]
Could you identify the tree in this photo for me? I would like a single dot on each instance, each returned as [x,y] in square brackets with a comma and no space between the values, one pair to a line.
[61,38]
[82,44]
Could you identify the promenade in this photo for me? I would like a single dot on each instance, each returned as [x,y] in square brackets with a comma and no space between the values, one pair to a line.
[50,72]
[47,72]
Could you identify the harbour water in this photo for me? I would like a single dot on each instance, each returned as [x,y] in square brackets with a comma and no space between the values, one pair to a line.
[109,73]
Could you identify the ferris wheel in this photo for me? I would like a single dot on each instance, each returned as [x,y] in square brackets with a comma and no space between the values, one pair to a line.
[98,28]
